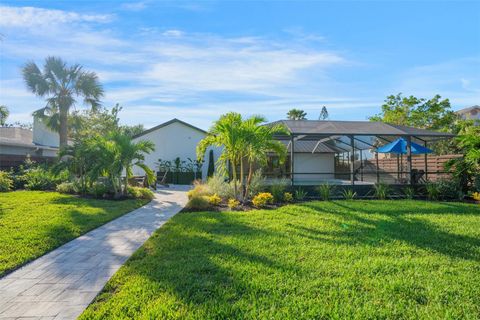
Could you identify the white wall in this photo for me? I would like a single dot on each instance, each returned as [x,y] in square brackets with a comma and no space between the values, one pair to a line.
[43,135]
[172,141]
[318,162]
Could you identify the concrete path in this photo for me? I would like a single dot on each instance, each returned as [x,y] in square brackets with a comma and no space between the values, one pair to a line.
[62,283]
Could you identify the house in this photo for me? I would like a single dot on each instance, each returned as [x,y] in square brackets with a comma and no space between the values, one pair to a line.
[174,139]
[471,113]
[16,144]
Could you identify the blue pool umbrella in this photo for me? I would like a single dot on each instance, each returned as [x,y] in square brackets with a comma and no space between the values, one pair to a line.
[399,146]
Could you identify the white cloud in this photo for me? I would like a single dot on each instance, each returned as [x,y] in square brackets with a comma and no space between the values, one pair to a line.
[31,17]
[134,6]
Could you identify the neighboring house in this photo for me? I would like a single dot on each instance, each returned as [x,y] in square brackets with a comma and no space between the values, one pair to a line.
[40,144]
[173,139]
[472,113]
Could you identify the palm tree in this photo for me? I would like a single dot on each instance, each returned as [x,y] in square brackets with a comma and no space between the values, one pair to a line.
[3,115]
[296,114]
[226,133]
[261,143]
[61,86]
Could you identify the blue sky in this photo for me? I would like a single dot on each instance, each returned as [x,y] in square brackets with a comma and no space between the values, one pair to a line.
[197,60]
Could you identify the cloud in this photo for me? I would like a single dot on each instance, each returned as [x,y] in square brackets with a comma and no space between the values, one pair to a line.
[31,17]
[134,6]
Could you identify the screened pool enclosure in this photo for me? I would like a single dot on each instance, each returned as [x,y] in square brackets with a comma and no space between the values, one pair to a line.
[354,153]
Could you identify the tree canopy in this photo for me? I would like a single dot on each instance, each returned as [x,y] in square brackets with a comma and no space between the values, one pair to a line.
[296,114]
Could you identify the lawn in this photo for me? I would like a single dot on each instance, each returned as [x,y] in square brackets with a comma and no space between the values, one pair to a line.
[341,259]
[35,222]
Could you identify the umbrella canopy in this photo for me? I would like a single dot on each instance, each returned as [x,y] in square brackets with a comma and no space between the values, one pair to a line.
[399,146]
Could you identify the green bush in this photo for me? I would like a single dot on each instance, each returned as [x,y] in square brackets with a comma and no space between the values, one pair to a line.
[325,191]
[214,200]
[216,184]
[40,179]
[198,203]
[277,189]
[199,190]
[349,194]
[233,204]
[287,197]
[67,187]
[140,193]
[6,182]
[99,189]
[381,191]
[409,192]
[432,190]
[300,194]
[257,184]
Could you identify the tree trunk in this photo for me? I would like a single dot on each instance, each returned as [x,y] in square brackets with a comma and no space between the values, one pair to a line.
[63,131]
[234,176]
[249,179]
[242,187]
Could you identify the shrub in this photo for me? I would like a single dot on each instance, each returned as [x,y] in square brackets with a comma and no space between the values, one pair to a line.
[287,197]
[409,193]
[217,185]
[432,190]
[476,196]
[257,184]
[300,194]
[262,199]
[233,203]
[6,182]
[40,179]
[99,189]
[326,191]
[198,190]
[67,187]
[214,200]
[198,203]
[140,193]
[381,191]
[450,189]
[277,189]
[349,194]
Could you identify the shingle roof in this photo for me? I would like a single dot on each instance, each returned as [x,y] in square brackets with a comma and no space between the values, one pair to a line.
[166,124]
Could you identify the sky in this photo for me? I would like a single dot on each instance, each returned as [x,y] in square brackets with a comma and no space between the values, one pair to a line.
[197,60]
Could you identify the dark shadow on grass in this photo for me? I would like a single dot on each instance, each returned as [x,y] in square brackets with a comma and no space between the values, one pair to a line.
[393,224]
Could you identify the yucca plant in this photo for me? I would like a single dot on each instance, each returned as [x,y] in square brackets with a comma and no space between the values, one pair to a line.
[349,194]
[326,191]
[381,191]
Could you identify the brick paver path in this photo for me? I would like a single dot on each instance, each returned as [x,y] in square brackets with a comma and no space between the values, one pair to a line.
[62,283]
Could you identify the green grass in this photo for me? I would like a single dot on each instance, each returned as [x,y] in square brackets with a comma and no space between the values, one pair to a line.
[318,260]
[35,222]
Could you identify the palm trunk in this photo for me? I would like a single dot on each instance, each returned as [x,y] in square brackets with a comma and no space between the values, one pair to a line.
[242,188]
[234,176]
[63,130]
[249,179]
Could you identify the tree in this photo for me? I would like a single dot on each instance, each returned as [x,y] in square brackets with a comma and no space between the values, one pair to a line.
[323,114]
[132,130]
[433,114]
[211,164]
[3,115]
[61,86]
[296,114]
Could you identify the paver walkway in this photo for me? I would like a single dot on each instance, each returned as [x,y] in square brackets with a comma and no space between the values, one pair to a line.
[62,283]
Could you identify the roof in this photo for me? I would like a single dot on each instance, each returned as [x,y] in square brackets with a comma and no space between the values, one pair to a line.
[360,128]
[19,137]
[468,110]
[308,146]
[166,124]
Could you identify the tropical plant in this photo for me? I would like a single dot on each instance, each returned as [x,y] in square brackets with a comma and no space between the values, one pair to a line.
[381,191]
[6,182]
[211,164]
[262,199]
[349,194]
[476,196]
[214,200]
[409,192]
[66,187]
[199,190]
[433,191]
[138,193]
[277,189]
[325,190]
[198,202]
[3,115]
[300,194]
[257,183]
[296,114]
[288,197]
[233,204]
[61,85]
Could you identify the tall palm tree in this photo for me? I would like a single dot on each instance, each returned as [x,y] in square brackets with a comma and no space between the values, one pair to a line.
[261,143]
[61,86]
[226,133]
[296,114]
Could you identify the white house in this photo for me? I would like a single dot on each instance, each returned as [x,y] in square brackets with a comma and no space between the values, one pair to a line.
[172,139]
